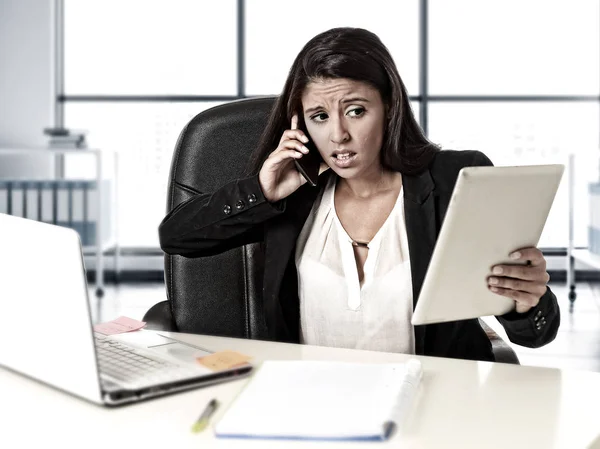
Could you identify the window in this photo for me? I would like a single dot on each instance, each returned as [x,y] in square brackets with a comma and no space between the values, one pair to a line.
[276,32]
[143,135]
[150,47]
[514,47]
[136,72]
[524,133]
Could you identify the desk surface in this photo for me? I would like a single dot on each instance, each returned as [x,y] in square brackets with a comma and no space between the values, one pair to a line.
[460,404]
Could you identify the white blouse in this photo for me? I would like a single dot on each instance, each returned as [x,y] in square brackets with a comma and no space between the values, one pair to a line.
[335,310]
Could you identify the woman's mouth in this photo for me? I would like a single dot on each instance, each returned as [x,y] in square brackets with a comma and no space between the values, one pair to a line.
[344,159]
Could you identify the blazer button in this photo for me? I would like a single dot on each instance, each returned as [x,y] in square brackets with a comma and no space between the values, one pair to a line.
[240,205]
[227,209]
[252,198]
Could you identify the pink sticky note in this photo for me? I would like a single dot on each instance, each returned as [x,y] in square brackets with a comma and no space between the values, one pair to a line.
[118,326]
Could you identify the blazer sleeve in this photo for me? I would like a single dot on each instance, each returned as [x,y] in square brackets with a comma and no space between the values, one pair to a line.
[480,159]
[539,325]
[536,327]
[211,223]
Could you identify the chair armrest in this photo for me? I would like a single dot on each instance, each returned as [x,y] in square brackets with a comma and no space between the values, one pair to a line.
[503,353]
[159,318]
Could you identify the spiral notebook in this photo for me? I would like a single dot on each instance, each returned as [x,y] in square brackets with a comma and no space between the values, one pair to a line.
[322,401]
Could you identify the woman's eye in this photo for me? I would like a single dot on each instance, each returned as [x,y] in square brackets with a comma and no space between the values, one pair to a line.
[356,112]
[319,117]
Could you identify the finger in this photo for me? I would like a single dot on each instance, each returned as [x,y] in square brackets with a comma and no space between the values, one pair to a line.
[287,144]
[525,272]
[535,288]
[297,134]
[295,121]
[524,298]
[284,155]
[532,254]
[290,144]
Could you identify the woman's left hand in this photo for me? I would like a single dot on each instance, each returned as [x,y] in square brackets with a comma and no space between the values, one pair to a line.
[525,284]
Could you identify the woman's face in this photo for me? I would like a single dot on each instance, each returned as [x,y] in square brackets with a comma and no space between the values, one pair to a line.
[346,120]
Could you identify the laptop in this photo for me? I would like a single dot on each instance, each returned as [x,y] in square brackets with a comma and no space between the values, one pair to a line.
[47,334]
[493,211]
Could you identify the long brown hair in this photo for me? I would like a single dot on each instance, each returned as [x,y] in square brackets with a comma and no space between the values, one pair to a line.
[356,54]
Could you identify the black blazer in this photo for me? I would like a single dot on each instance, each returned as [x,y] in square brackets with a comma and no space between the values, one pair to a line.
[238,214]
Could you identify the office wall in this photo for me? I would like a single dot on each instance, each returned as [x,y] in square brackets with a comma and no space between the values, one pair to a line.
[26,82]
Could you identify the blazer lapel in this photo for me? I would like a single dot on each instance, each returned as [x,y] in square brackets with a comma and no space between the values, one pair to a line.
[280,241]
[419,211]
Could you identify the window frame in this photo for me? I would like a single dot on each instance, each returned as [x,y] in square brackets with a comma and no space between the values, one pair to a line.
[424,99]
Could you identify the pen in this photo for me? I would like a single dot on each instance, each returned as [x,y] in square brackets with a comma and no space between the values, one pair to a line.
[202,421]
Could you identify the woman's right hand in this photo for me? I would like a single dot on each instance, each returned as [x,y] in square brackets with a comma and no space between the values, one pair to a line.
[278,176]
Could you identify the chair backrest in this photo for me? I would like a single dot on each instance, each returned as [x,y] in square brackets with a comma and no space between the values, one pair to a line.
[222,294]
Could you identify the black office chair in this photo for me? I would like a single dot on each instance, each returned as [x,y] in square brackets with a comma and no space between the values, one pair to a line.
[221,295]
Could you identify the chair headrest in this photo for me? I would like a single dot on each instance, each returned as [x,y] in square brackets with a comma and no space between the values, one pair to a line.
[215,146]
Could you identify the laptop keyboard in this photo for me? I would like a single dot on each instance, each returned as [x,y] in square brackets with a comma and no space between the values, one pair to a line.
[126,365]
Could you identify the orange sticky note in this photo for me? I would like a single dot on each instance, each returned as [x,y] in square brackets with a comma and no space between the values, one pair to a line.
[223,360]
[118,326]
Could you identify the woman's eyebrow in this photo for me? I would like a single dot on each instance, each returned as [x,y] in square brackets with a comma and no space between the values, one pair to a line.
[354,99]
[315,108]
[346,100]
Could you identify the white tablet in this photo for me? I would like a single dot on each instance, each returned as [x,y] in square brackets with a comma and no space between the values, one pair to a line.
[493,211]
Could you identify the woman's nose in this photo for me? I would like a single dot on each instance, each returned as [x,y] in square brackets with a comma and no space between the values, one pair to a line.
[339,132]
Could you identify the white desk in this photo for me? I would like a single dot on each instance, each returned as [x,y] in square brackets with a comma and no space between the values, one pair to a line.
[460,404]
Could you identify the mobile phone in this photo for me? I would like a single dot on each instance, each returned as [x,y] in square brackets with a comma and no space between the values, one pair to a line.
[308,165]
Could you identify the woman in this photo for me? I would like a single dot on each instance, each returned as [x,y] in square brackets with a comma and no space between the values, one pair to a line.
[344,262]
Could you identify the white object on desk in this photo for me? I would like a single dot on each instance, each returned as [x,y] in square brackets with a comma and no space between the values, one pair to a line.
[47,296]
[322,401]
[462,404]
